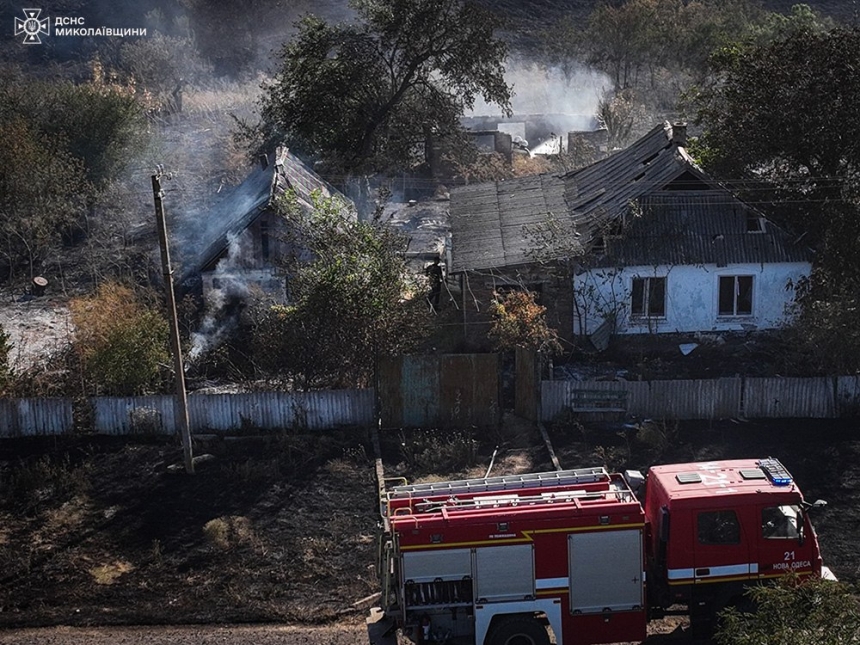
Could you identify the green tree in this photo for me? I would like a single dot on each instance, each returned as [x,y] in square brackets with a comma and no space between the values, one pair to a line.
[814,612]
[362,96]
[784,112]
[100,124]
[780,123]
[42,193]
[352,300]
[120,341]
[62,147]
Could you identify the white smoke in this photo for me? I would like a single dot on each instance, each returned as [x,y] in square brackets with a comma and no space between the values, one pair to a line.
[232,285]
[539,89]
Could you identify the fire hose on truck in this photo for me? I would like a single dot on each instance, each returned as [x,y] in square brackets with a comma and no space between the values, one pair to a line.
[588,555]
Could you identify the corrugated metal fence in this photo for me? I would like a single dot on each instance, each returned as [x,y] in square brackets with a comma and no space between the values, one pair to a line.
[317,410]
[811,398]
[35,417]
[821,397]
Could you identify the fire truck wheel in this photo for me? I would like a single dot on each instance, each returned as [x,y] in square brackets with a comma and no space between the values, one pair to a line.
[518,631]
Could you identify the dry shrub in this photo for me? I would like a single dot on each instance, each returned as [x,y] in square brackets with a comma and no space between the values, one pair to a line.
[519,321]
[121,342]
[659,434]
[107,574]
[227,532]
[46,480]
[430,451]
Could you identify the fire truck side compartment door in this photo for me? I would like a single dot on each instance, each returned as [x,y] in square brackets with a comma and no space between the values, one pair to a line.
[605,570]
[427,566]
[504,573]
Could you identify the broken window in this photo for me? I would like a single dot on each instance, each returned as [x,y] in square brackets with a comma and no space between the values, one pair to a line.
[736,297]
[648,298]
[536,289]
[755,224]
[264,239]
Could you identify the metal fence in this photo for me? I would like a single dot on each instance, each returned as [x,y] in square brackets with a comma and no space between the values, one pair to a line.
[765,398]
[458,391]
[35,417]
[317,410]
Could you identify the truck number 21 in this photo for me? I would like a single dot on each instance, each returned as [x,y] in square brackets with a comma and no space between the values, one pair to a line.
[789,555]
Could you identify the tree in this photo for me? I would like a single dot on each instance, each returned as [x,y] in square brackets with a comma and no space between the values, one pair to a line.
[812,612]
[780,123]
[362,96]
[352,300]
[99,123]
[120,341]
[62,147]
[42,193]
[784,113]
[622,115]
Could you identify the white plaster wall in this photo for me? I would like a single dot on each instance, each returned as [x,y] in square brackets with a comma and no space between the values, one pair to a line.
[691,297]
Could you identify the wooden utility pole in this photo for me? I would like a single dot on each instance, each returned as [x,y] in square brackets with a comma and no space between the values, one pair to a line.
[181,409]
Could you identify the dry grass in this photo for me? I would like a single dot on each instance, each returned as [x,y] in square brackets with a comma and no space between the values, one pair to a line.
[228,532]
[223,97]
[69,516]
[108,574]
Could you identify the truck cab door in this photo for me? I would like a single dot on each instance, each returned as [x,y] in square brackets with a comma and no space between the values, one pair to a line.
[786,542]
[721,547]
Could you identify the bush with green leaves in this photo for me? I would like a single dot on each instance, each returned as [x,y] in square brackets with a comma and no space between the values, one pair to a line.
[121,342]
[62,146]
[353,300]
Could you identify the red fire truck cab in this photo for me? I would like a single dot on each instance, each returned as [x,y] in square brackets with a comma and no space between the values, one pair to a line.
[503,560]
[715,527]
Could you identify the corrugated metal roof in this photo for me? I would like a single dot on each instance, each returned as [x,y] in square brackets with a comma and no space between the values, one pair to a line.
[698,227]
[681,209]
[248,200]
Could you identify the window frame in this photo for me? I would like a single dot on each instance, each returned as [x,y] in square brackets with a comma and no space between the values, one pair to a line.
[736,296]
[718,528]
[646,294]
[775,519]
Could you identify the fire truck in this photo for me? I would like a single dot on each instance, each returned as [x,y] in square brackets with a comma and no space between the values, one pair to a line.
[588,554]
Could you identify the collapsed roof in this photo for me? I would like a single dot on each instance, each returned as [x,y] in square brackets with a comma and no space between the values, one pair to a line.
[650,192]
[244,204]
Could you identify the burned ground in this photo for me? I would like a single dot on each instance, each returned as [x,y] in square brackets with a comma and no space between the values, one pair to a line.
[282,529]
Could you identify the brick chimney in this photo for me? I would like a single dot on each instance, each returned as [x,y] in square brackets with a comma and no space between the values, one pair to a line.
[679,134]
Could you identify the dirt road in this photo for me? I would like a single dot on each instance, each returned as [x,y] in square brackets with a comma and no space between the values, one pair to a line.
[340,634]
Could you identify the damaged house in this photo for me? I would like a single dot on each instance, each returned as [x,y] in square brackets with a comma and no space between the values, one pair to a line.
[639,242]
[238,245]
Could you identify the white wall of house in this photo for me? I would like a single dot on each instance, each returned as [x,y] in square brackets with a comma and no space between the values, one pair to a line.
[692,297]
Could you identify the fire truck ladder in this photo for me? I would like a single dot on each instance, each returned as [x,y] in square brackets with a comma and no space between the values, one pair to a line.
[503,482]
[514,500]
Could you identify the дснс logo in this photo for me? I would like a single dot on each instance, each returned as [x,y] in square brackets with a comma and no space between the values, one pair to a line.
[32,26]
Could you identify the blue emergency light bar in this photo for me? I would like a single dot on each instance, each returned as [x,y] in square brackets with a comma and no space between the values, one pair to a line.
[775,471]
